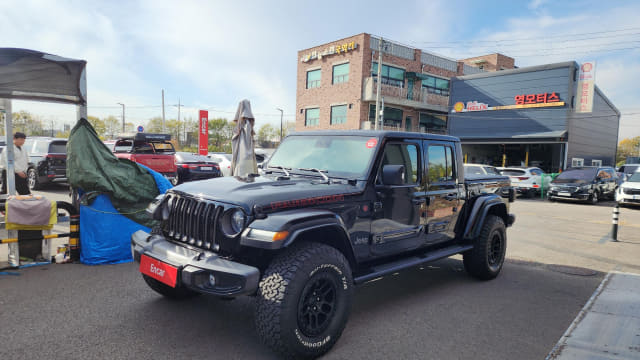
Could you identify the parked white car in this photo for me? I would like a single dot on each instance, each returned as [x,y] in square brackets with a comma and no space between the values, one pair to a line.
[480,169]
[629,191]
[526,181]
[224,161]
[627,170]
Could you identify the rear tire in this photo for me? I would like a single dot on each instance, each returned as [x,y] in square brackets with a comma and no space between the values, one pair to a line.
[180,293]
[304,300]
[485,260]
[32,180]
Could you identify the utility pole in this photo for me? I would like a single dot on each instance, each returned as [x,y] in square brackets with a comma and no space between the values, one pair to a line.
[163,111]
[379,87]
[280,123]
[123,130]
[178,127]
[52,128]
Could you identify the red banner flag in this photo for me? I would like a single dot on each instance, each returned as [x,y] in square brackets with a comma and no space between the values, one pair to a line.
[203,138]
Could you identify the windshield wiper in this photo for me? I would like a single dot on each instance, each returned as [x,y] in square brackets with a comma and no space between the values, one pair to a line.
[321,172]
[284,169]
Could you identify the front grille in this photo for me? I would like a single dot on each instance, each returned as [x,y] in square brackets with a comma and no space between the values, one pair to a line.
[629,191]
[193,221]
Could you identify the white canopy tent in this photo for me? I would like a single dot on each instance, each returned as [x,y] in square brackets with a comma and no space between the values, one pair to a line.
[33,75]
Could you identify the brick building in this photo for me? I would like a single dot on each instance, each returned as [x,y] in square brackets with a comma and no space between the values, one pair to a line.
[336,85]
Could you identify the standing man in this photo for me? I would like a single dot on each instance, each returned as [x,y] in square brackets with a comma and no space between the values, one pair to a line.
[21,165]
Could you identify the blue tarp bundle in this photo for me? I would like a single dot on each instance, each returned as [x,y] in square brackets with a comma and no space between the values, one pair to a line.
[105,235]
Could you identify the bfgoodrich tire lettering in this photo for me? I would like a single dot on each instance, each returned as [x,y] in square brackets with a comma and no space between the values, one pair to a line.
[304,300]
[172,293]
[486,258]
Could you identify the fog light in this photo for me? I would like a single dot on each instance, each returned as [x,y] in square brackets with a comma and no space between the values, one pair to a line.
[212,280]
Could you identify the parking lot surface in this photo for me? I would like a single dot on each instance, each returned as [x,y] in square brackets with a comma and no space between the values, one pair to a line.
[558,254]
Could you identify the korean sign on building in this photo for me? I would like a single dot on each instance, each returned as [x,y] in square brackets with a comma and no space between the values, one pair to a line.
[333,49]
[524,101]
[586,83]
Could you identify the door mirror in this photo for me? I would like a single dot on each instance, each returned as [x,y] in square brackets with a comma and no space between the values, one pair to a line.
[393,175]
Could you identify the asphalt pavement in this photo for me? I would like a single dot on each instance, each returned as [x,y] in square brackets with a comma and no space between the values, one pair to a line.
[558,255]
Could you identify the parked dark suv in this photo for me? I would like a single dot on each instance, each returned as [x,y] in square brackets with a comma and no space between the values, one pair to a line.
[584,183]
[47,161]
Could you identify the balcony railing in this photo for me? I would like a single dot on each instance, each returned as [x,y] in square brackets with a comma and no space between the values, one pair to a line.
[391,92]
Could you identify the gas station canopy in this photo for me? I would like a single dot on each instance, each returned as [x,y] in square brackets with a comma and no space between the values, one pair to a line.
[33,75]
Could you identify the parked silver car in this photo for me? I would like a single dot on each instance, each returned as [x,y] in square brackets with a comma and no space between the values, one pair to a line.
[527,181]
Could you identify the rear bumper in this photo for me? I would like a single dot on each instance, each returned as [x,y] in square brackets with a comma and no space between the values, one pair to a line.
[196,267]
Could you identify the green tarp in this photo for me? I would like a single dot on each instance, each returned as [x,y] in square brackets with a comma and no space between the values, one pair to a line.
[92,167]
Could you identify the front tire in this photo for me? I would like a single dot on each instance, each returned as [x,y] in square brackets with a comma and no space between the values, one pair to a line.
[304,300]
[593,199]
[167,291]
[485,260]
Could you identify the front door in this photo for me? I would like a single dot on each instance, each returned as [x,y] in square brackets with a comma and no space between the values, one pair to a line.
[442,192]
[396,223]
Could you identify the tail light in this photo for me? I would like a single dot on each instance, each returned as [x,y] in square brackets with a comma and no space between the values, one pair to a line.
[536,186]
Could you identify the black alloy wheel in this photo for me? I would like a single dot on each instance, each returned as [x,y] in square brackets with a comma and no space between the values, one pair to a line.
[32,180]
[594,197]
[317,305]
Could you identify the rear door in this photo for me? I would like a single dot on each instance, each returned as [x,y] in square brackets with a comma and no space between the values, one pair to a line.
[442,192]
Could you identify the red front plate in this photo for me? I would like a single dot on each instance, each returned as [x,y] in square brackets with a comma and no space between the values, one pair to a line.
[158,270]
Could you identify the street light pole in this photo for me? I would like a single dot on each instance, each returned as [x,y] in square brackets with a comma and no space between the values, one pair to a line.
[122,116]
[281,112]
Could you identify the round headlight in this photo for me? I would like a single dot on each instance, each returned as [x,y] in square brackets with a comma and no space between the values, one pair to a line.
[232,222]
[237,220]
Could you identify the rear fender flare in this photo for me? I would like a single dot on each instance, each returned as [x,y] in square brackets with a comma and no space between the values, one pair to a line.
[482,207]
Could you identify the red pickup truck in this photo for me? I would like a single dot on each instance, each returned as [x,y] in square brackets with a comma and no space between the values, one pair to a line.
[152,150]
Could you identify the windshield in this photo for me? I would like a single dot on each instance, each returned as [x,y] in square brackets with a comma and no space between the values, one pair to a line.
[629,169]
[341,156]
[581,175]
[512,172]
[635,177]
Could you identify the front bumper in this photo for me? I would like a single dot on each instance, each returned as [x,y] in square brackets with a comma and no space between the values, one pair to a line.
[580,195]
[195,267]
[627,199]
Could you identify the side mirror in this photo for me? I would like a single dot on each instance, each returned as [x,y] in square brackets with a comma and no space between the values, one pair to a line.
[393,175]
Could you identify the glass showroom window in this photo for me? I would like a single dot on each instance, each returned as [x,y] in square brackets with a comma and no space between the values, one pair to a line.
[312,117]
[313,79]
[341,73]
[339,114]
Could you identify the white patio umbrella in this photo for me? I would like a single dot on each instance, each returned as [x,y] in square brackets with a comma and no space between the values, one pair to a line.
[243,158]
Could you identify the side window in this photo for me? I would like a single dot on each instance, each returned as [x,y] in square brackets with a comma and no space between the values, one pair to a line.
[42,147]
[603,174]
[402,154]
[441,167]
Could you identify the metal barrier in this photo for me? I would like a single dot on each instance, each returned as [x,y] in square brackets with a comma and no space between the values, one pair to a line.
[73,234]
[552,176]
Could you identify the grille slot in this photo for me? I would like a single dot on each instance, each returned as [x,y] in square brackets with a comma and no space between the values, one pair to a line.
[193,222]
[629,191]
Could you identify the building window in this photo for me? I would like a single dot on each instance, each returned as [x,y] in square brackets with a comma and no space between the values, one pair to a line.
[312,117]
[341,73]
[390,75]
[596,162]
[313,79]
[436,85]
[392,116]
[433,123]
[577,162]
[339,114]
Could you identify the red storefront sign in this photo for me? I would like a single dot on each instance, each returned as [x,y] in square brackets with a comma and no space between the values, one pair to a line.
[203,138]
[537,98]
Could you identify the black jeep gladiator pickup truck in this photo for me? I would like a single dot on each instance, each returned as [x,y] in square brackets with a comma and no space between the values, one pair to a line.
[331,210]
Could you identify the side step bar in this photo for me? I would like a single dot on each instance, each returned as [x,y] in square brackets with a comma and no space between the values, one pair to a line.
[392,267]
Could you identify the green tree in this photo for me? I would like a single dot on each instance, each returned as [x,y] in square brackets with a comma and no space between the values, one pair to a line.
[98,125]
[628,147]
[220,131]
[267,135]
[154,125]
[27,123]
[112,126]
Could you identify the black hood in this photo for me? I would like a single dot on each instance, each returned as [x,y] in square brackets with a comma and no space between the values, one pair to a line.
[268,193]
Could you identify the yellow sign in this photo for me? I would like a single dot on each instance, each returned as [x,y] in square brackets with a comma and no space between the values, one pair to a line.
[333,49]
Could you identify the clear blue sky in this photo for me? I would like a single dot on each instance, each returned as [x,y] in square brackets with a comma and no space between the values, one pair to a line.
[212,54]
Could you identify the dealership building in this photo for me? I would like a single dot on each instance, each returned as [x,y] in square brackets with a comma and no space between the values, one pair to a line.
[503,115]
